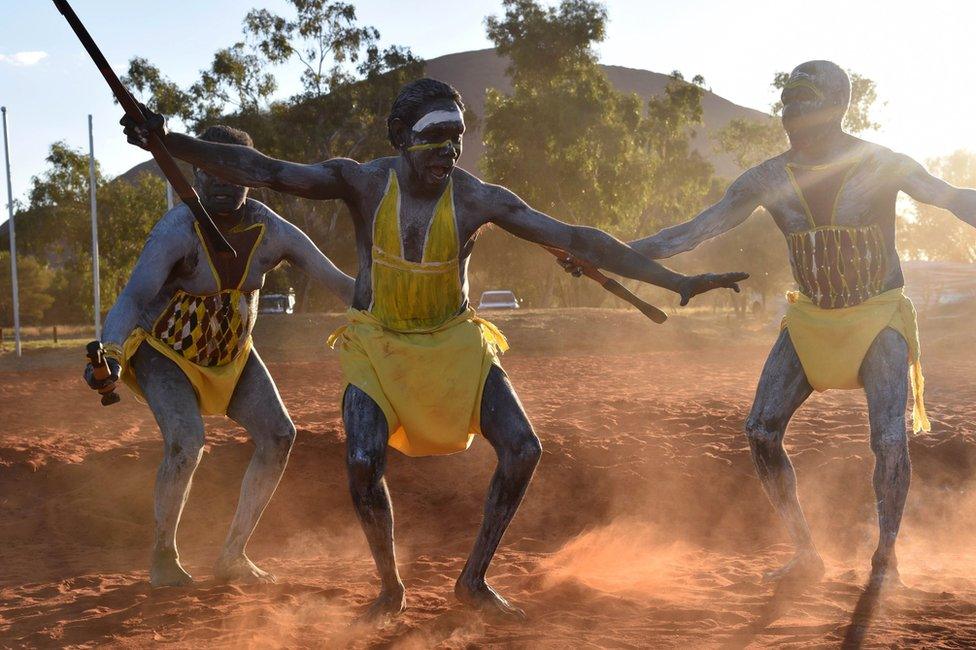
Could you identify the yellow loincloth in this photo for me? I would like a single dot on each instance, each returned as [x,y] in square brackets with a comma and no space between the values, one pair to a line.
[213,385]
[428,383]
[831,343]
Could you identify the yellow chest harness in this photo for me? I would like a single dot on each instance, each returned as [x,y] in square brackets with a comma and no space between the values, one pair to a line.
[414,296]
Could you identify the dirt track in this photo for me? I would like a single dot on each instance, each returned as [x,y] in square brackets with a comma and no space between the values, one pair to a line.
[645,525]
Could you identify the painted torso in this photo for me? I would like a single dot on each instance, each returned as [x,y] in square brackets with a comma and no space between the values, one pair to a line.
[416,212]
[839,221]
[193,274]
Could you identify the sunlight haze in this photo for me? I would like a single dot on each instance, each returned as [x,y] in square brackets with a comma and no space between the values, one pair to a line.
[917,53]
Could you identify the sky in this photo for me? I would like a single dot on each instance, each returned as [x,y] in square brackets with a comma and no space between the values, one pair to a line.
[918,53]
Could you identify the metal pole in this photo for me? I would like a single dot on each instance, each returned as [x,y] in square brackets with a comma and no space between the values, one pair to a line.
[13,236]
[94,219]
[169,196]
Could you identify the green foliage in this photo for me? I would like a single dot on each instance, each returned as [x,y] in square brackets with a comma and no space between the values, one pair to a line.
[603,156]
[323,36]
[126,214]
[750,142]
[56,217]
[546,42]
[348,84]
[936,234]
[54,230]
[679,180]
[34,287]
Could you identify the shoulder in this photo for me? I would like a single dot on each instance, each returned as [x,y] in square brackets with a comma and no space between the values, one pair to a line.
[889,162]
[276,227]
[761,177]
[176,226]
[258,212]
[379,167]
[468,187]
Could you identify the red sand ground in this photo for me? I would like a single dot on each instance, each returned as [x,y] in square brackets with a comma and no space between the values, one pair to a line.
[644,527]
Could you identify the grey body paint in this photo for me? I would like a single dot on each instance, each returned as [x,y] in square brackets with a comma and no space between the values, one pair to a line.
[174,259]
[426,162]
[813,122]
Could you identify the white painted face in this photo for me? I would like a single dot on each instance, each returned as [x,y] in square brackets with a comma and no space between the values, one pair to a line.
[438,117]
[434,143]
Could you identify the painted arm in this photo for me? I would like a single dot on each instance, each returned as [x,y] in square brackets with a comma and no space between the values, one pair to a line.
[740,201]
[595,246]
[247,166]
[303,253]
[926,188]
[168,243]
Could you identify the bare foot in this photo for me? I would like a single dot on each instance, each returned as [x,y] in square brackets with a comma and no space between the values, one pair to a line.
[240,569]
[388,604]
[482,597]
[166,570]
[884,572]
[805,567]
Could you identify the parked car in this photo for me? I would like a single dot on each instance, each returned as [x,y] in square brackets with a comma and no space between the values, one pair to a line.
[276,303]
[498,300]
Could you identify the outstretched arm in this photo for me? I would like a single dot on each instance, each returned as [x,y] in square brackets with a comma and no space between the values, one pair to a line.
[247,166]
[740,200]
[594,246]
[303,253]
[926,188]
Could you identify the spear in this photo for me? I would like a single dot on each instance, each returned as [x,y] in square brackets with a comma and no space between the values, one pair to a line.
[609,284]
[156,146]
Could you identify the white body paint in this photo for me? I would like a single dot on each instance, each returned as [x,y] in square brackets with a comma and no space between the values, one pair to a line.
[437,117]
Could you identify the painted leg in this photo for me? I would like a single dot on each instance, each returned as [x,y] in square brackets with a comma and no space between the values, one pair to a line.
[783,387]
[884,373]
[505,425]
[174,404]
[366,443]
[257,407]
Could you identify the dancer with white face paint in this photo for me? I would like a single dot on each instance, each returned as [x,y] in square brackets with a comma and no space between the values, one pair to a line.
[438,118]
[422,369]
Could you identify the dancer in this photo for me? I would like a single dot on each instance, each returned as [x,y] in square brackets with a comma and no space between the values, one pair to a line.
[180,337]
[422,369]
[850,325]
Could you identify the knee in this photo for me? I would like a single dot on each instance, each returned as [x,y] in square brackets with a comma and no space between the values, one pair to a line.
[890,438]
[526,452]
[279,440]
[763,432]
[364,468]
[185,449]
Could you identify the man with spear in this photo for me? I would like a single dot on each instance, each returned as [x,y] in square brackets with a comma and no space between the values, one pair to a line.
[179,336]
[422,368]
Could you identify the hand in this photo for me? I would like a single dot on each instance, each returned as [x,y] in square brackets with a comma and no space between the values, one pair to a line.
[696,284]
[570,265]
[138,134]
[115,369]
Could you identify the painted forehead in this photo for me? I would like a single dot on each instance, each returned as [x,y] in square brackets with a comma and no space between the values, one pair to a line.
[439,115]
[800,79]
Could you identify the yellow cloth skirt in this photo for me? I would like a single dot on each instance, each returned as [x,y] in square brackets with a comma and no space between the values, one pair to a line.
[428,383]
[832,343]
[213,385]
